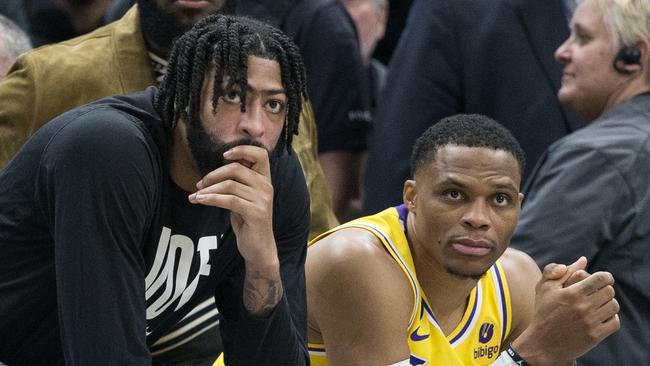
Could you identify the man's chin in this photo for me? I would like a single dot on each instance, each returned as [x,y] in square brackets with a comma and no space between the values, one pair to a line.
[466,275]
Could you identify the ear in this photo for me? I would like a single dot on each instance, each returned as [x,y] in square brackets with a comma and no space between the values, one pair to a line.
[644,62]
[409,195]
[382,17]
[520,196]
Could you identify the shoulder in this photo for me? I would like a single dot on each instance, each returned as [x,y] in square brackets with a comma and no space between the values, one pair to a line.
[520,269]
[352,262]
[606,146]
[99,134]
[325,18]
[349,250]
[522,275]
[83,56]
[67,52]
[354,286]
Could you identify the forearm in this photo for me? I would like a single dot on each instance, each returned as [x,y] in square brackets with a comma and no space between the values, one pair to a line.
[262,288]
[274,339]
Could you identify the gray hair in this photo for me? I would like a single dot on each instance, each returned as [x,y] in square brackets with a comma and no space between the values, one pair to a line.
[14,39]
[627,21]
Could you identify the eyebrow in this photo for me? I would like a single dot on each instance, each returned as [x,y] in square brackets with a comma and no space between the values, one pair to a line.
[271,91]
[500,186]
[580,28]
[266,92]
[451,180]
[506,186]
[274,91]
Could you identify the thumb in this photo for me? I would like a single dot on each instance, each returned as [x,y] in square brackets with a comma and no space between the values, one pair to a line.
[561,272]
[580,263]
[553,272]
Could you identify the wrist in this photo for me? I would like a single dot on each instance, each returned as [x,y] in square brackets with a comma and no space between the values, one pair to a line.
[532,354]
[515,356]
[263,267]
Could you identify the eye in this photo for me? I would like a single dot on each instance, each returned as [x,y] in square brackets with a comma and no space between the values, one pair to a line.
[502,199]
[231,97]
[454,195]
[275,106]
[582,37]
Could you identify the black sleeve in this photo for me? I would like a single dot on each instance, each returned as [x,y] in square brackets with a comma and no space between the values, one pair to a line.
[279,338]
[97,185]
[423,85]
[336,80]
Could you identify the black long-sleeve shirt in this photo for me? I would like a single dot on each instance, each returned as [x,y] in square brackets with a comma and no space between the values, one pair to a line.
[102,253]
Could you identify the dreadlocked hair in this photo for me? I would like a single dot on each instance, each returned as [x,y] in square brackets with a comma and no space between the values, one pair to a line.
[224,43]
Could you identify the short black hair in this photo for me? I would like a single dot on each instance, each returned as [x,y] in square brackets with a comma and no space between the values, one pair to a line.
[224,43]
[470,130]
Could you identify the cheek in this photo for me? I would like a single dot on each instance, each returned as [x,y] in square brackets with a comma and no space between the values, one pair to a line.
[433,227]
[505,226]
[222,123]
[273,132]
[596,64]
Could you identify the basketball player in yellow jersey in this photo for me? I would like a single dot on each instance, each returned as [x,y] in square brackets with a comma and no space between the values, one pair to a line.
[431,282]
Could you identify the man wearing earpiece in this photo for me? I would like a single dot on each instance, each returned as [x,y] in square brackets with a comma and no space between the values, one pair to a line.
[590,193]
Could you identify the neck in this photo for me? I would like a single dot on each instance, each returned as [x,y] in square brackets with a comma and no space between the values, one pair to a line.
[159,51]
[183,169]
[446,293]
[628,89]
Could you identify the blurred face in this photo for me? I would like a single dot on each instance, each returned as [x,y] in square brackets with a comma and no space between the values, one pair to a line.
[227,126]
[589,80]
[466,204]
[370,21]
[164,20]
[188,12]
[5,61]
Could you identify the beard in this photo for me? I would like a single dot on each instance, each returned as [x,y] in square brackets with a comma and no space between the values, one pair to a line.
[207,150]
[465,275]
[158,26]
[161,28]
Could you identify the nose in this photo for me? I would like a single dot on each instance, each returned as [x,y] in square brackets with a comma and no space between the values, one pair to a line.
[251,121]
[562,54]
[477,215]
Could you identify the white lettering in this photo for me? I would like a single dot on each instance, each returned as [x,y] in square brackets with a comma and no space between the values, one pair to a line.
[173,269]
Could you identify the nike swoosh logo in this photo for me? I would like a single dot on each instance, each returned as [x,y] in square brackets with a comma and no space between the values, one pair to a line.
[415,337]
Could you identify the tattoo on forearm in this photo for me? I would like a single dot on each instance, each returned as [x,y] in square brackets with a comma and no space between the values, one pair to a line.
[261,294]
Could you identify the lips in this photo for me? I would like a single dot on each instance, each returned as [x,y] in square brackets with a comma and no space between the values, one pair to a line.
[472,247]
[192,4]
[567,76]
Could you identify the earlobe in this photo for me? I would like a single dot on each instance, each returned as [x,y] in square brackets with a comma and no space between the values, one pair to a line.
[409,194]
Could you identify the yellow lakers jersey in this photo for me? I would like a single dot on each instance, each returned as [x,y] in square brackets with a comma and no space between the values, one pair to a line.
[485,323]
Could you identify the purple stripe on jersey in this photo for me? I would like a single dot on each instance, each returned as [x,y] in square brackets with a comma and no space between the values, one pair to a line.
[402,211]
[426,308]
[469,320]
[502,295]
